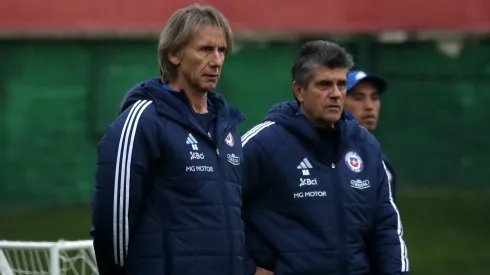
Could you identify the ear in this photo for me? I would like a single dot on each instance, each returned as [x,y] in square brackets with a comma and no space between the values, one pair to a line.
[174,59]
[298,91]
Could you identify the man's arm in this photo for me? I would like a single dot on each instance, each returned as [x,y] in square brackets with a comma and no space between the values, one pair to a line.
[124,162]
[390,251]
[261,259]
[390,171]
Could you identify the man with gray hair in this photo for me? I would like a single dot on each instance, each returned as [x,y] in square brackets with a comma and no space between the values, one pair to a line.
[169,177]
[316,196]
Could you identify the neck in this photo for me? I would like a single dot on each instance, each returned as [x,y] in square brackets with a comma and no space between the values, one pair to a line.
[198,99]
[323,125]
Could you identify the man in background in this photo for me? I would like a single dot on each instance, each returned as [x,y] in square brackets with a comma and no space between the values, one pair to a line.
[364,101]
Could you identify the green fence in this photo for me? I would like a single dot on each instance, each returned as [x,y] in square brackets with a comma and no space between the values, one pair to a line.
[57,98]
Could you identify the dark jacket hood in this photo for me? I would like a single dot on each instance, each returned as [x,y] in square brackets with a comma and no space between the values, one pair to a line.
[175,105]
[288,115]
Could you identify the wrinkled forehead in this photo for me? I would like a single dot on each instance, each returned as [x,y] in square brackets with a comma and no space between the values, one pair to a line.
[323,73]
[209,35]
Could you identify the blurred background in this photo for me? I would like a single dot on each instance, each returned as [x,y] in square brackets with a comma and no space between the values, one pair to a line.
[65,65]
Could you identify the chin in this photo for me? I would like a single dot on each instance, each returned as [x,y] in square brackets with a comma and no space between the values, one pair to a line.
[208,87]
[370,127]
[332,119]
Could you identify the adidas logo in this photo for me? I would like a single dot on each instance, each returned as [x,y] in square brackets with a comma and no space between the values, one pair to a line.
[192,141]
[304,166]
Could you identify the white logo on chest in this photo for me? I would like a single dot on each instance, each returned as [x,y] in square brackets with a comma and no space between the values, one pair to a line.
[360,184]
[233,159]
[196,155]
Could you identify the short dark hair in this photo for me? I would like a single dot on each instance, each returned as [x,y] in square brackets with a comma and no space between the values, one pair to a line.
[319,52]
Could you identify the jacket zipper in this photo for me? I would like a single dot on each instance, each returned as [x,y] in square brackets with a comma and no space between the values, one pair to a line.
[225,205]
[223,189]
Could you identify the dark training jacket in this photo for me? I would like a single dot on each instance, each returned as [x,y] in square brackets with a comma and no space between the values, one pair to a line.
[390,170]
[168,195]
[318,202]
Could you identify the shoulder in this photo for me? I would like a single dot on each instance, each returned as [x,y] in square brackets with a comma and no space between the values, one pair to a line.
[366,138]
[141,109]
[385,159]
[389,167]
[267,134]
[140,115]
[264,140]
[368,144]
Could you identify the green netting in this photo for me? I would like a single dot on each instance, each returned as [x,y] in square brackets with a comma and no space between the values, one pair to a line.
[57,98]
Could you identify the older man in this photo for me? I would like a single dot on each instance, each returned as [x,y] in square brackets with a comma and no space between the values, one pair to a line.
[169,179]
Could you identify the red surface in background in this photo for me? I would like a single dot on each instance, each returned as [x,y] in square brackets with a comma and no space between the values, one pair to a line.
[264,15]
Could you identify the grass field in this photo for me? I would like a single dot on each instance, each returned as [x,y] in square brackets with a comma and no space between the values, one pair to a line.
[447,232]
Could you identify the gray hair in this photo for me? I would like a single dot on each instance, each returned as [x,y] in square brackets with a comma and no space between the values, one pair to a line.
[180,29]
[315,53]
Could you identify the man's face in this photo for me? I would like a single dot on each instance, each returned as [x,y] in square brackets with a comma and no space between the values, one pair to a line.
[363,101]
[322,100]
[202,58]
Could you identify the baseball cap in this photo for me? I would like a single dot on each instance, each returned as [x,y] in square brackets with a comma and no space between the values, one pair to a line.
[355,77]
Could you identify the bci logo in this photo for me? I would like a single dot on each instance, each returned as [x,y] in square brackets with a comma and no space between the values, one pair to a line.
[304,182]
[197,155]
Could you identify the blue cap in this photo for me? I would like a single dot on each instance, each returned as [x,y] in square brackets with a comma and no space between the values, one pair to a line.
[355,77]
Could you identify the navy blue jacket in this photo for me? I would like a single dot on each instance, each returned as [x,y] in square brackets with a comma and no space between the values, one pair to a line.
[168,197]
[319,203]
[390,170]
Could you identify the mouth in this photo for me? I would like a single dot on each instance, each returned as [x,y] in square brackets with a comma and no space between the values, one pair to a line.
[335,107]
[369,118]
[212,76]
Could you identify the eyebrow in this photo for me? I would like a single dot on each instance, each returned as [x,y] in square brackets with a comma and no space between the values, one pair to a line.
[208,44]
[332,81]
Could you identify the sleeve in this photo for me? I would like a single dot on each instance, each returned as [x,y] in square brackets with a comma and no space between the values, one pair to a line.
[389,250]
[259,253]
[124,162]
[390,171]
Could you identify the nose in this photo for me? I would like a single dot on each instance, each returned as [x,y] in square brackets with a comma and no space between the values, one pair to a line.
[335,93]
[369,104]
[216,58]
